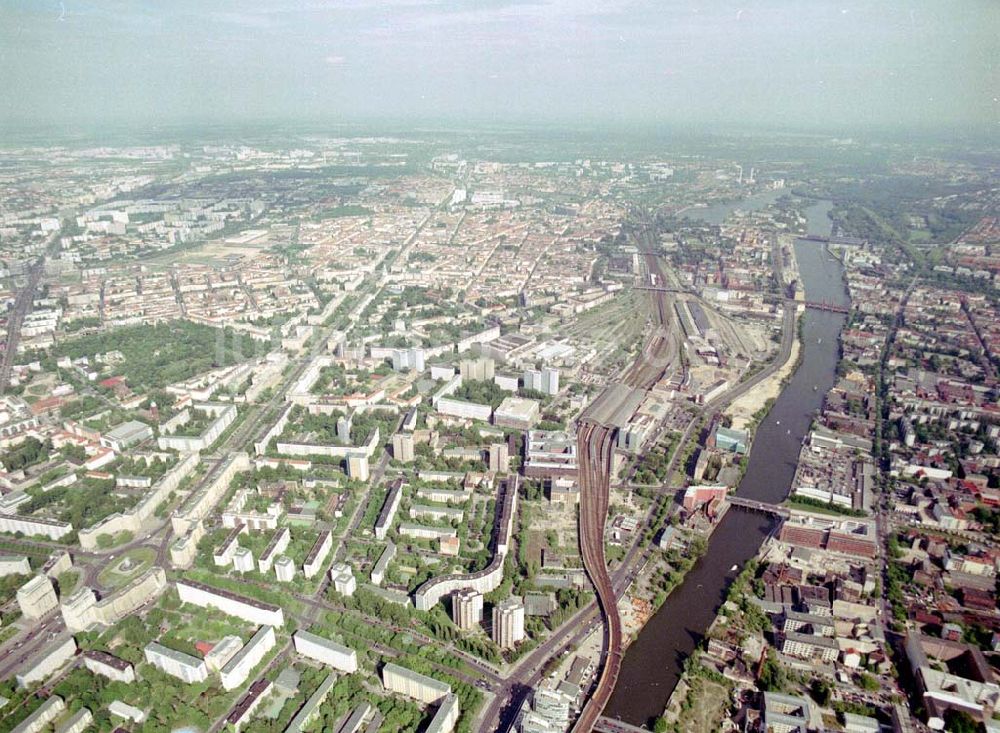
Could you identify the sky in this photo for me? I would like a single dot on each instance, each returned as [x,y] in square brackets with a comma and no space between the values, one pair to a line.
[783,64]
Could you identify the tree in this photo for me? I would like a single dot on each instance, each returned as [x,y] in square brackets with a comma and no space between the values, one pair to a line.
[819,690]
[773,677]
[959,721]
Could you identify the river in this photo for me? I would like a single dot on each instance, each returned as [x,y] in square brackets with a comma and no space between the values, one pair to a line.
[653,662]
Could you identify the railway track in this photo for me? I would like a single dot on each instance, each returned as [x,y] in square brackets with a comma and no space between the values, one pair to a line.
[595,445]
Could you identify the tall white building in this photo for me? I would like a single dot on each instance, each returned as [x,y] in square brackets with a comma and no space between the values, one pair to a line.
[284,568]
[550,380]
[402,447]
[408,359]
[467,608]
[37,597]
[357,467]
[317,555]
[477,370]
[343,579]
[508,622]
[499,458]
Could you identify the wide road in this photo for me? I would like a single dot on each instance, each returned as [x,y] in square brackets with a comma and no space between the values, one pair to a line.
[22,303]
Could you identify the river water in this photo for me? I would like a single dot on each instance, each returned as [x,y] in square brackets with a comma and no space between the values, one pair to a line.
[653,662]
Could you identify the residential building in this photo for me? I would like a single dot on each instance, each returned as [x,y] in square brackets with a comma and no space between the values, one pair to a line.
[414,685]
[42,716]
[307,711]
[248,609]
[77,722]
[467,608]
[37,597]
[284,568]
[236,671]
[508,622]
[317,555]
[343,579]
[499,458]
[108,665]
[323,650]
[14,565]
[50,659]
[177,664]
[402,447]
[248,704]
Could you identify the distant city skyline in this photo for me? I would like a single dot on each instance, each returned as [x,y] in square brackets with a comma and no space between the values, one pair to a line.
[851,65]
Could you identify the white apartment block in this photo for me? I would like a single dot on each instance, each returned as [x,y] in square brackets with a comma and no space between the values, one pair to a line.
[248,609]
[177,664]
[235,672]
[323,650]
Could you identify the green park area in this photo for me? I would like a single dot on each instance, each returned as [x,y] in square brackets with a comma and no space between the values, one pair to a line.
[128,567]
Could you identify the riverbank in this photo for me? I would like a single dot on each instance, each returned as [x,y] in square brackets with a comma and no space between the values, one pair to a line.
[654,663]
[746,408]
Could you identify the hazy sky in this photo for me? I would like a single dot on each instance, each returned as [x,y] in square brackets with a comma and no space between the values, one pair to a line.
[788,63]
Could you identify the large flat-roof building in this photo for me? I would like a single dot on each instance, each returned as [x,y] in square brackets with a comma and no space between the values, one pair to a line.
[37,597]
[126,435]
[42,716]
[323,650]
[235,672]
[516,412]
[177,664]
[108,665]
[414,685]
[248,609]
[549,454]
[50,659]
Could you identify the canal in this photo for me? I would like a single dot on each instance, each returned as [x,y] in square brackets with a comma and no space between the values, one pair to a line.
[654,661]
